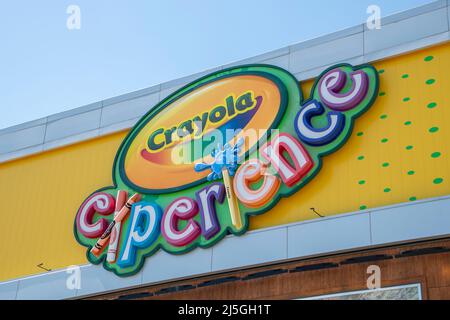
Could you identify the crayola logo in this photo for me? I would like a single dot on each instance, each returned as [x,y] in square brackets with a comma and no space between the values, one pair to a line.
[239,103]
[163,138]
[189,182]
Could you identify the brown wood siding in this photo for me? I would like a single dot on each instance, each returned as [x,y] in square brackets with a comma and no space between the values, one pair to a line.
[427,263]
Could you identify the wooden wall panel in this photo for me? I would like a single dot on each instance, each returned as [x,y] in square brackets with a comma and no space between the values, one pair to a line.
[429,265]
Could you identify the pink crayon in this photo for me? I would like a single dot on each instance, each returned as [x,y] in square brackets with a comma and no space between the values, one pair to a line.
[114,239]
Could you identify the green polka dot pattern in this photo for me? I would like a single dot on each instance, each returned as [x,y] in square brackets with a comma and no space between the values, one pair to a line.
[399,148]
[413,120]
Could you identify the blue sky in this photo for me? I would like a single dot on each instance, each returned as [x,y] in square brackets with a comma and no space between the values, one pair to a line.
[124,46]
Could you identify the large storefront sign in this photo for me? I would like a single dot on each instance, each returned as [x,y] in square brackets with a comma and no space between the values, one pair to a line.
[223,148]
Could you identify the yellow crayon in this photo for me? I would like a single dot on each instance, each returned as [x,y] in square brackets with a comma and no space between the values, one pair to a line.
[232,201]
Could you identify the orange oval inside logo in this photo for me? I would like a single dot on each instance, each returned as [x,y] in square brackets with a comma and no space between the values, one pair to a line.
[165,145]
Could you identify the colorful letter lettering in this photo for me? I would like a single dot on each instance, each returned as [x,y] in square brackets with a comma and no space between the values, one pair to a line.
[182,208]
[318,137]
[206,199]
[332,83]
[273,152]
[215,152]
[144,229]
[102,203]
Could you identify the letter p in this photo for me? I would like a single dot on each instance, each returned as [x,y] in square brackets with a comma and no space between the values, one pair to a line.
[142,232]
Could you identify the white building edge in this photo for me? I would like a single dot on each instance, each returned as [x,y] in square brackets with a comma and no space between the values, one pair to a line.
[401,33]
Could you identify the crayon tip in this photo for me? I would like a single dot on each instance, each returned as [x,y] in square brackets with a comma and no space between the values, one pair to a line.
[96,252]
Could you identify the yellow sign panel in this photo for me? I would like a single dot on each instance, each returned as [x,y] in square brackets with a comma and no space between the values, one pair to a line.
[398,152]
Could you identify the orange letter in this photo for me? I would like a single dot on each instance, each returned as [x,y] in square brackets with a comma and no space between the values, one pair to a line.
[273,152]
